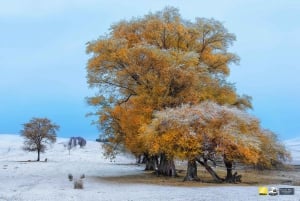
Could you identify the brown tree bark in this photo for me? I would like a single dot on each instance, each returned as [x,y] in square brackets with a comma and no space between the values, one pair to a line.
[191,173]
[214,175]
[166,167]
[38,158]
[151,162]
[228,164]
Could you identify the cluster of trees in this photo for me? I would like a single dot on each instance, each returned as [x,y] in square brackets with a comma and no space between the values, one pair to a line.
[74,141]
[164,94]
[40,132]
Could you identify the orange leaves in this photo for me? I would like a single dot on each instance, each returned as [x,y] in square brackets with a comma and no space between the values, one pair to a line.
[95,100]
[249,155]
[272,152]
[162,61]
[172,139]
[188,131]
[131,31]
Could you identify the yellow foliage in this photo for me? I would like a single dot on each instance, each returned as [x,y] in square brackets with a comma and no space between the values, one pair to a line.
[161,61]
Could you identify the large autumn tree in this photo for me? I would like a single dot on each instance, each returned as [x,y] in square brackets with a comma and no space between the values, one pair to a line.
[155,62]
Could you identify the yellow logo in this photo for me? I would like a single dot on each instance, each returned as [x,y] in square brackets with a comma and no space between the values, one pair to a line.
[262,190]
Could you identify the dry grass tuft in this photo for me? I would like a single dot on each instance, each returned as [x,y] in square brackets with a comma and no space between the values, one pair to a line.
[70,177]
[78,184]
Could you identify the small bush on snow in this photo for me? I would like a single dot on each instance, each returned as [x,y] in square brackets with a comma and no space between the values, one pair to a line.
[70,177]
[78,184]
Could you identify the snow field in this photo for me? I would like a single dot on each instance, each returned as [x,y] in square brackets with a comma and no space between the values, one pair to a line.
[48,181]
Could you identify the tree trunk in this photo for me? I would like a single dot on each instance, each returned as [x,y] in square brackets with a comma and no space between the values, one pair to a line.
[191,173]
[151,162]
[138,159]
[166,167]
[38,159]
[229,176]
[214,175]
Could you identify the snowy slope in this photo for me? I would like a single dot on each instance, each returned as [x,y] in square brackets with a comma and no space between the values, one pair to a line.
[293,146]
[48,181]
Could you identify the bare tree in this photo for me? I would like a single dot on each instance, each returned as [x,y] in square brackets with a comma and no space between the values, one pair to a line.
[37,133]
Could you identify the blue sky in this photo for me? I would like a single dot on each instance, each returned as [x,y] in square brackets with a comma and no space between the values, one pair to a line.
[43,59]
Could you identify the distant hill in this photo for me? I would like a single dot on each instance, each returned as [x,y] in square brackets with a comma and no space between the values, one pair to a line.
[293,145]
[11,140]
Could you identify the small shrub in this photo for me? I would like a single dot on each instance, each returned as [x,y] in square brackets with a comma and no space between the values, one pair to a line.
[82,176]
[78,184]
[81,142]
[70,177]
[74,141]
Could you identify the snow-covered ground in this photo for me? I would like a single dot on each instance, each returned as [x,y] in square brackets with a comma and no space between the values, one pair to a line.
[31,181]
[293,146]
